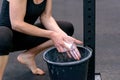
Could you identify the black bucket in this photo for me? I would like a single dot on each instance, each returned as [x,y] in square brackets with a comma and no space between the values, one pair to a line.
[63,68]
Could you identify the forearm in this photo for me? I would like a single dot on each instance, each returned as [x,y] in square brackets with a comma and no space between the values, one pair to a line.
[29,29]
[50,23]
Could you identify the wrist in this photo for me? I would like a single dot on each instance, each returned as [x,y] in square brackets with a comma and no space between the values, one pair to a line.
[62,33]
[52,34]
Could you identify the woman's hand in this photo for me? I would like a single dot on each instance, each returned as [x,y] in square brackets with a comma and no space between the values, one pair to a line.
[60,40]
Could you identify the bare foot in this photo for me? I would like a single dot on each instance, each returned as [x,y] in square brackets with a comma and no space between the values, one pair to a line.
[29,61]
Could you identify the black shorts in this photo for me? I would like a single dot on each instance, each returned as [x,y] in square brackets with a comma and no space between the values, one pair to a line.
[13,41]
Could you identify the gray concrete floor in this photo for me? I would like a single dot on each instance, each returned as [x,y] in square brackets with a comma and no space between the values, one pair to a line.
[107,39]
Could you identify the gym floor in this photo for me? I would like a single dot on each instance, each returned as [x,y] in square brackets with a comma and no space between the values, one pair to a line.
[107,39]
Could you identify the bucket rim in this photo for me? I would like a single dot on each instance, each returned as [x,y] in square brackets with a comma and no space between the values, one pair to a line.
[68,63]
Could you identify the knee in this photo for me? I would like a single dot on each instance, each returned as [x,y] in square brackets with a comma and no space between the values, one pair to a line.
[70,29]
[5,40]
[67,27]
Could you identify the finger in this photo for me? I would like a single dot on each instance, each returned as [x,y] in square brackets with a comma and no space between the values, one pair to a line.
[78,41]
[73,55]
[76,52]
[59,49]
[74,47]
[70,47]
[76,55]
[69,54]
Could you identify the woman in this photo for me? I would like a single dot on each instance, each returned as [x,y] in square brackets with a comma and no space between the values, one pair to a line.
[18,32]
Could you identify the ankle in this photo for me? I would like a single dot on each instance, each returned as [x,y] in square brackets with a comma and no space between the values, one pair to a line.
[30,53]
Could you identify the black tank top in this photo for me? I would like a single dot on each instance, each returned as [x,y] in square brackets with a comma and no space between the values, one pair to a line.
[33,11]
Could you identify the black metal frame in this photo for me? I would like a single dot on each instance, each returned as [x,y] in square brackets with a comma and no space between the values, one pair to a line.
[89,33]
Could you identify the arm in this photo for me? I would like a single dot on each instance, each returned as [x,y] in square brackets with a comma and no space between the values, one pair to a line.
[17,13]
[59,37]
[47,19]
[50,23]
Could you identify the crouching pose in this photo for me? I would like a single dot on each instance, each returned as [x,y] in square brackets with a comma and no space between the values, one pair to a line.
[18,31]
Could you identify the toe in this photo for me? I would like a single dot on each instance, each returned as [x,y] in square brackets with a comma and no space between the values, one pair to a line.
[39,72]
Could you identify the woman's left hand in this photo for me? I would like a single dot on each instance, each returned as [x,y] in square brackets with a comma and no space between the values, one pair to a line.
[71,47]
[65,43]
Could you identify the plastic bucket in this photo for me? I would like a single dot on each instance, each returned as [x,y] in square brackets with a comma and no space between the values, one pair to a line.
[63,68]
